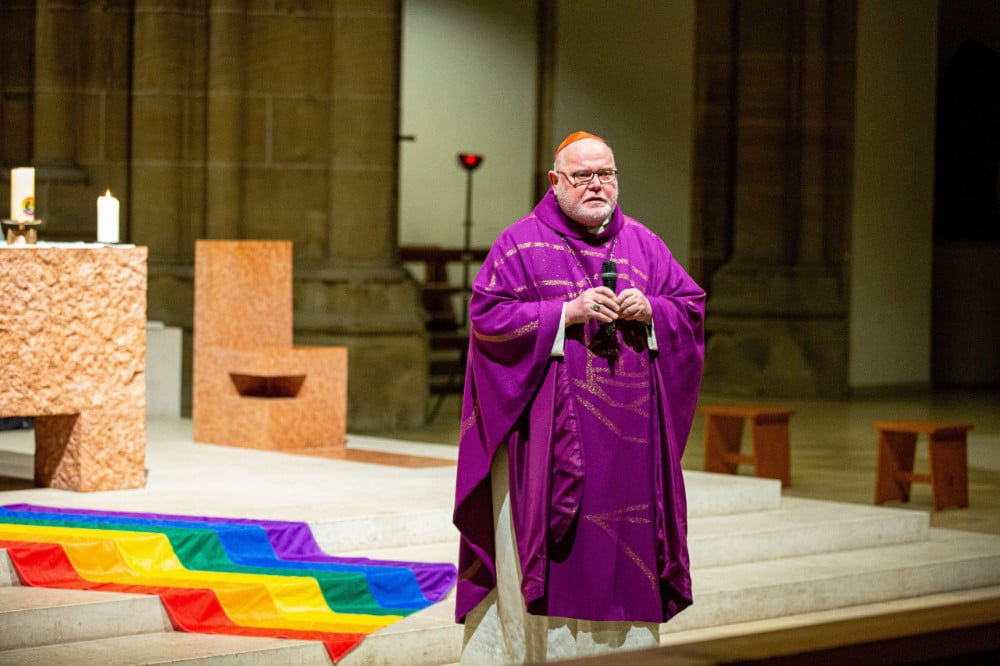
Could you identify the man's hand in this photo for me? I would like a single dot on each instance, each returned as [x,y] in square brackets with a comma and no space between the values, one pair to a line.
[633,304]
[596,303]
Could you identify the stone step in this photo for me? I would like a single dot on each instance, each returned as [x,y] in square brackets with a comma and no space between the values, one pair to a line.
[8,575]
[711,494]
[33,616]
[70,627]
[944,561]
[947,561]
[173,648]
[725,594]
[941,604]
[708,495]
[800,527]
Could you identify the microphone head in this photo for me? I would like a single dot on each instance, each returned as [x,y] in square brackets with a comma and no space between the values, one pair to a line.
[609,274]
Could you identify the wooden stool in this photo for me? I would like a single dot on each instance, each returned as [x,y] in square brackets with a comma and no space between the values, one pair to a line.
[769,439]
[897,442]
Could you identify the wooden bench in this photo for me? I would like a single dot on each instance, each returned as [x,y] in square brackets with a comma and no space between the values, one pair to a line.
[897,442]
[769,438]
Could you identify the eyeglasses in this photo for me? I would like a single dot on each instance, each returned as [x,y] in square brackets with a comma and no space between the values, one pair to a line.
[578,178]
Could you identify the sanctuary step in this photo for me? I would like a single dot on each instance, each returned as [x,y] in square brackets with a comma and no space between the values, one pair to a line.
[36,616]
[71,627]
[758,557]
[803,557]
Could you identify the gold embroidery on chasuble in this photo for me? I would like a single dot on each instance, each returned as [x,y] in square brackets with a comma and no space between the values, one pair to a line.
[471,570]
[593,390]
[629,514]
[507,337]
[468,423]
[514,251]
[625,266]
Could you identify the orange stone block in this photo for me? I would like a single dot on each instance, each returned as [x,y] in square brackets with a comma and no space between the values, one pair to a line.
[251,386]
[72,354]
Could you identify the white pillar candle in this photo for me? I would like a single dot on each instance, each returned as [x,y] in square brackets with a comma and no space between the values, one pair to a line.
[107,219]
[22,194]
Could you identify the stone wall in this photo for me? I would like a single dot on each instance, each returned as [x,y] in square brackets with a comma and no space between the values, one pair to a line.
[233,119]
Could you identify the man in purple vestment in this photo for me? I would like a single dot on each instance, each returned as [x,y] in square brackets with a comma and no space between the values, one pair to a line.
[585,358]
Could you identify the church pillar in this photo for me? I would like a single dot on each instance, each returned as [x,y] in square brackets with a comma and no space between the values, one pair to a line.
[777,311]
[57,56]
[361,295]
[224,209]
[73,77]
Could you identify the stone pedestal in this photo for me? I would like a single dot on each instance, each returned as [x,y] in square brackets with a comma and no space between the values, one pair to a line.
[72,354]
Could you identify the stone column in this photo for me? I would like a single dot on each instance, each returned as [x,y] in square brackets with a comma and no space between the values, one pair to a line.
[62,134]
[547,34]
[362,296]
[168,140]
[224,208]
[777,307]
[57,60]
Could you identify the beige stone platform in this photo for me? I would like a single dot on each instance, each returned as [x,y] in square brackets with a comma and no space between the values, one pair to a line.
[251,386]
[762,559]
[72,354]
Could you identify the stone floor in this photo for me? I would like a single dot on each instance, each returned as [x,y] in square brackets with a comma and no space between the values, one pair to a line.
[833,458]
[834,447]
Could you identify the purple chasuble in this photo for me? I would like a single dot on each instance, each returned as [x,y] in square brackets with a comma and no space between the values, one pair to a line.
[595,437]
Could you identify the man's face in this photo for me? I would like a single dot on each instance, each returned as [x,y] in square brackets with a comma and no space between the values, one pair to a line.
[592,203]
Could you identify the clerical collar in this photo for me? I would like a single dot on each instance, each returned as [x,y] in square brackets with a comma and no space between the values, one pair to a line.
[600,230]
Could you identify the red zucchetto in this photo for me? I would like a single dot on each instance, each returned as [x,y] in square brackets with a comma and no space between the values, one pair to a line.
[576,136]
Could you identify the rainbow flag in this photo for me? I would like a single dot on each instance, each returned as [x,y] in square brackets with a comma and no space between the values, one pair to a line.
[221,575]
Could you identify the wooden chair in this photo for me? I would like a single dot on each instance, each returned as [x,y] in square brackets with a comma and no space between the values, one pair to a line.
[251,386]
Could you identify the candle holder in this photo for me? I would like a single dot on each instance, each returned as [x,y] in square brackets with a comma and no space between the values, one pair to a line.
[21,232]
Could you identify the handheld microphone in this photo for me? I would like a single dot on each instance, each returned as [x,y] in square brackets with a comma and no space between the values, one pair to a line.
[609,276]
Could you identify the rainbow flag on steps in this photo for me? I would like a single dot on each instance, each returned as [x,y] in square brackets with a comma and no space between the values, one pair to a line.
[221,575]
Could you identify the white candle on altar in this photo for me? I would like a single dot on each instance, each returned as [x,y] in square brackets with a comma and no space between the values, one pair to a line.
[107,219]
[22,194]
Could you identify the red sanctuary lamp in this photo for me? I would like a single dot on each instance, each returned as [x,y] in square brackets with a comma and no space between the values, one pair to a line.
[470,162]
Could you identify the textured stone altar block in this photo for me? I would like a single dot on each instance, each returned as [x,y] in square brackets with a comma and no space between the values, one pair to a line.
[252,387]
[72,354]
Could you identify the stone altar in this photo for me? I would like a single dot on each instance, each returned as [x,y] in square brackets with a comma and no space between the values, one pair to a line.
[72,354]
